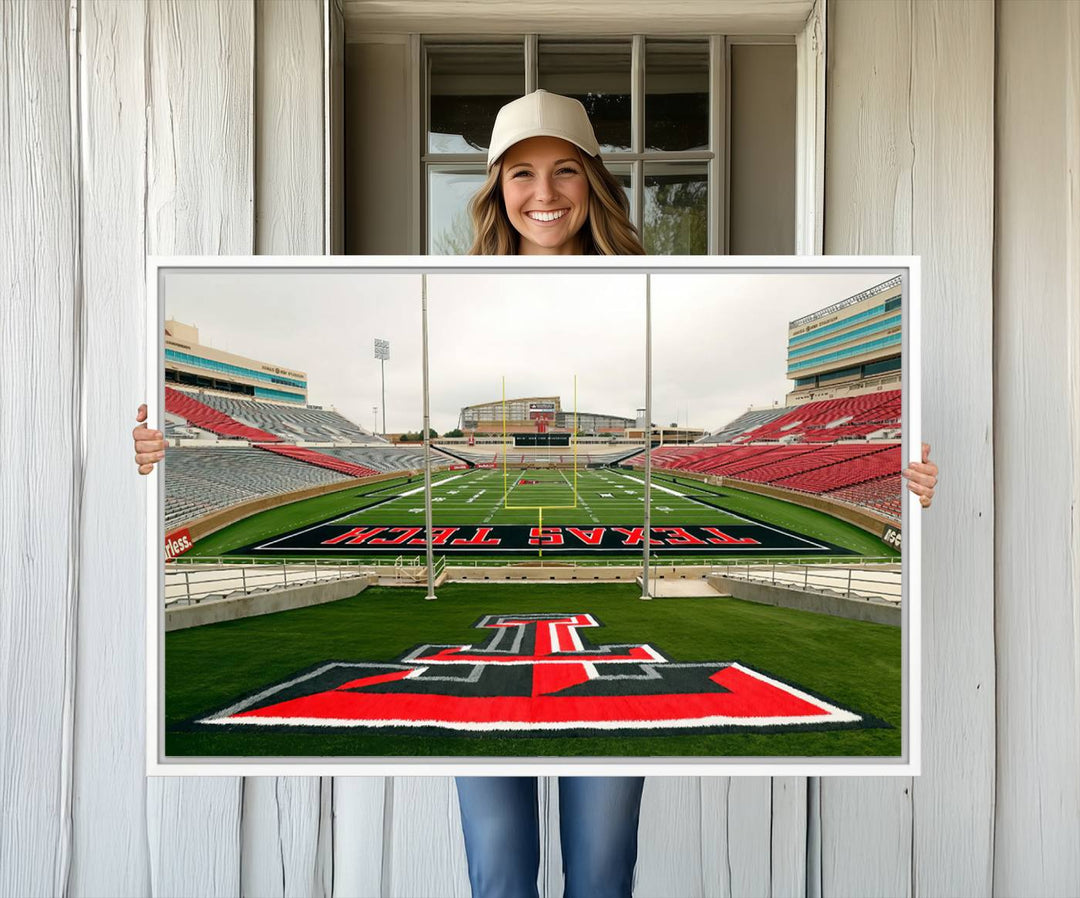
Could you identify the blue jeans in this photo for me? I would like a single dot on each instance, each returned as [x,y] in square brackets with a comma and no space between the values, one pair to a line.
[598,821]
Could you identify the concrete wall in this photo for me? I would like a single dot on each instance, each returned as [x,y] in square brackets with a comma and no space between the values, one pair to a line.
[181,617]
[867,520]
[837,606]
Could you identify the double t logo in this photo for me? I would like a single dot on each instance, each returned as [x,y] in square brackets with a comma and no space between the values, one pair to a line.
[535,673]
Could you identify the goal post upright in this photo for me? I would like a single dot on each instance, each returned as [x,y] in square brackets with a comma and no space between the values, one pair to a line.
[428,546]
[536,462]
[506,488]
[574,437]
[647,541]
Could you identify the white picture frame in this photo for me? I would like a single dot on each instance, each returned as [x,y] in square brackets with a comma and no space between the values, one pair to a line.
[907,764]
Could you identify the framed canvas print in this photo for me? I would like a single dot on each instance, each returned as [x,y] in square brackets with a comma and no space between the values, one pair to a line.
[579,515]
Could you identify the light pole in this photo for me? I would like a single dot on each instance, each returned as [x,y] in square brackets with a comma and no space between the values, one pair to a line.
[375,417]
[382,353]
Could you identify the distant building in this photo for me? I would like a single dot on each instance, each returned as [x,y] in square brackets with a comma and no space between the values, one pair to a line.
[848,348]
[536,414]
[190,364]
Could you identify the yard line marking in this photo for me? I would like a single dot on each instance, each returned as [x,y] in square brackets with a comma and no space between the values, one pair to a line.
[420,489]
[496,506]
[578,495]
[349,514]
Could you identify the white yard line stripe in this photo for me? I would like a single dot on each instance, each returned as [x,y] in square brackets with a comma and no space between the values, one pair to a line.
[387,501]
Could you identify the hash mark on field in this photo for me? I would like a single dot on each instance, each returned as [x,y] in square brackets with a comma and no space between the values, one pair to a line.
[584,504]
[496,506]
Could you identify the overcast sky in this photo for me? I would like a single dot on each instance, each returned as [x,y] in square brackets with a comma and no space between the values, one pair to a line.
[719,339]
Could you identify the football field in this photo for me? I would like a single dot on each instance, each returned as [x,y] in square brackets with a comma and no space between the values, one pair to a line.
[386,673]
[543,512]
[516,669]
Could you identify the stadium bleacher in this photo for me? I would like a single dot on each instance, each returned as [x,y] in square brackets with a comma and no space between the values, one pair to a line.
[746,421]
[176,428]
[319,459]
[390,458]
[587,454]
[837,474]
[207,418]
[200,481]
[830,420]
[291,424]
[883,494]
[825,450]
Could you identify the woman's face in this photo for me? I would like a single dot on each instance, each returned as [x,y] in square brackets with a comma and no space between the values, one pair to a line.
[546,195]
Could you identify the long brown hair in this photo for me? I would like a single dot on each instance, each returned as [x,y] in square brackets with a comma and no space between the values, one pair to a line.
[607,232]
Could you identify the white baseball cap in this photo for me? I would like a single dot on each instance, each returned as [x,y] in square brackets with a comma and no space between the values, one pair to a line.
[541,114]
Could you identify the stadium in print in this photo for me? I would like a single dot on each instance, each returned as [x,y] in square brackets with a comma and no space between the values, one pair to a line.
[411,514]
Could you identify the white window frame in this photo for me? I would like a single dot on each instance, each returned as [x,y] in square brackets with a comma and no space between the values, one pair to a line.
[810,126]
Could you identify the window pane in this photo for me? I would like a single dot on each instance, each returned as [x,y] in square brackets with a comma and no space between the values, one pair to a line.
[676,209]
[467,84]
[597,74]
[449,191]
[676,95]
[624,176]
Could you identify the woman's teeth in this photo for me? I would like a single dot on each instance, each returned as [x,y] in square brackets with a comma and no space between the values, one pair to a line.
[546,216]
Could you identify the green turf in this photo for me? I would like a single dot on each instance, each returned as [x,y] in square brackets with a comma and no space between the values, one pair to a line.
[854,664]
[583,498]
[265,524]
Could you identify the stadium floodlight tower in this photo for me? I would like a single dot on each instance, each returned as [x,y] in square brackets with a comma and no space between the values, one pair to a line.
[382,353]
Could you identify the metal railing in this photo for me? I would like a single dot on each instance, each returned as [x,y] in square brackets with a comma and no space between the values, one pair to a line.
[252,560]
[198,579]
[414,570]
[194,582]
[850,581]
[660,561]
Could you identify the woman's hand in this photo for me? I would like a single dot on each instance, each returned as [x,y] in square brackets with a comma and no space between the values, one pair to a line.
[149,444]
[922,477]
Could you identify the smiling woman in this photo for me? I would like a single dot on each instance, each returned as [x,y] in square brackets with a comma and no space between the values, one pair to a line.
[546,195]
[547,191]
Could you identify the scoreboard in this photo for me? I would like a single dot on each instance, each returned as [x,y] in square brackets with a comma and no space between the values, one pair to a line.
[541,439]
[542,411]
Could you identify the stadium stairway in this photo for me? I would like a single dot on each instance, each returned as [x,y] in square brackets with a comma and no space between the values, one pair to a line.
[455,455]
[201,415]
[319,459]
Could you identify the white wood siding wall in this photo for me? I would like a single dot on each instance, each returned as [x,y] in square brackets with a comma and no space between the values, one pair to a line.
[182,127]
[909,149]
[1036,837]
